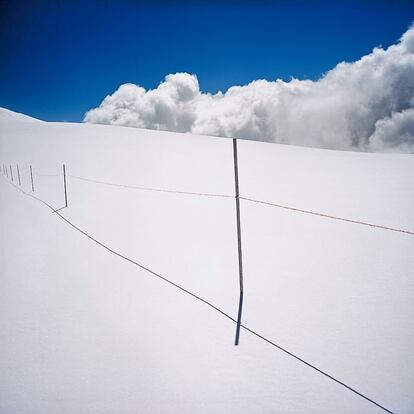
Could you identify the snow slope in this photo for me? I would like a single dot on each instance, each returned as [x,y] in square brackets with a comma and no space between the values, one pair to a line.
[84,331]
[7,115]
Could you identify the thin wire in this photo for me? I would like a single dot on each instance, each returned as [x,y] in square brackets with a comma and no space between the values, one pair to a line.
[47,175]
[326,215]
[253,200]
[203,301]
[151,188]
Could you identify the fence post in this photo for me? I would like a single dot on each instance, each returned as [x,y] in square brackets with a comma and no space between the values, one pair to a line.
[31,177]
[18,174]
[239,243]
[64,185]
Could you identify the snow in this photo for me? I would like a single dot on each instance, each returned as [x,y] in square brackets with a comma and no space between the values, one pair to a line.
[82,330]
[7,115]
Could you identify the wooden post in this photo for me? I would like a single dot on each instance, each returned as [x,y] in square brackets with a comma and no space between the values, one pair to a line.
[239,243]
[64,185]
[18,174]
[31,177]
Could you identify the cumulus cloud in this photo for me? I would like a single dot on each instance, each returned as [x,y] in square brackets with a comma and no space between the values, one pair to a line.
[365,105]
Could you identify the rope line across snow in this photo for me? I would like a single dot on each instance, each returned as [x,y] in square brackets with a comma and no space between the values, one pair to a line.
[252,200]
[160,190]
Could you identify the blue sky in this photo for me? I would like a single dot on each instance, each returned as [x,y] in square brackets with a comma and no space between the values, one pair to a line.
[61,58]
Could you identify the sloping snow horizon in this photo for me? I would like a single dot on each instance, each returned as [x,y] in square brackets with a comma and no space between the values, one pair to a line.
[366,105]
[82,330]
[7,114]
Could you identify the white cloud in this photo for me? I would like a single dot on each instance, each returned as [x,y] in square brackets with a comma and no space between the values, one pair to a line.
[364,105]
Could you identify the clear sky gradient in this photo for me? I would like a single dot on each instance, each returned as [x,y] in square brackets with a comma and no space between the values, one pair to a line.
[60,58]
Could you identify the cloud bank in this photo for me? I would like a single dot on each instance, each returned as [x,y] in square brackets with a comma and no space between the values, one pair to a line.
[367,105]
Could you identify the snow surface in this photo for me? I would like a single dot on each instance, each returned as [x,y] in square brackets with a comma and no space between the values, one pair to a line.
[83,331]
[7,115]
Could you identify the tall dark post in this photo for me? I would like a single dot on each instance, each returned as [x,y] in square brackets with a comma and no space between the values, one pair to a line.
[239,243]
[31,177]
[18,174]
[64,185]
[11,173]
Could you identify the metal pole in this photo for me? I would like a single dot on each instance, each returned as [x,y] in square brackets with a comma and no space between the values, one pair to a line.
[64,185]
[11,173]
[18,174]
[239,243]
[31,177]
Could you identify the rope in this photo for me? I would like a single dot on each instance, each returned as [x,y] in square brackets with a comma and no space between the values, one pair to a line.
[47,175]
[252,200]
[206,302]
[327,215]
[161,190]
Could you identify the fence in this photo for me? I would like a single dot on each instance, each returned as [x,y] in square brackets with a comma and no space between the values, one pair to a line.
[8,175]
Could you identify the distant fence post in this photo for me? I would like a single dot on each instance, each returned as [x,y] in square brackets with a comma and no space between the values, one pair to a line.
[239,244]
[64,185]
[18,174]
[31,177]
